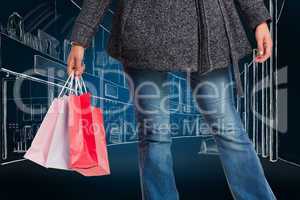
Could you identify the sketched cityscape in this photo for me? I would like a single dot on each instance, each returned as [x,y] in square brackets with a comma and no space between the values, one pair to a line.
[40,72]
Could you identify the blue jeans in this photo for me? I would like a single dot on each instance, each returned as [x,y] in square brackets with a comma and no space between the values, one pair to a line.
[214,95]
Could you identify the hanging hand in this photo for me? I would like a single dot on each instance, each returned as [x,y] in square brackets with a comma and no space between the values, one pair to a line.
[264,42]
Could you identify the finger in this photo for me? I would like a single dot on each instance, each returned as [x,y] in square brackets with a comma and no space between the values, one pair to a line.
[260,46]
[267,50]
[77,67]
[82,68]
[260,49]
[70,66]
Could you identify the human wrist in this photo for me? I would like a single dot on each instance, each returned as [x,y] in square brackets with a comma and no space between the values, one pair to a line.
[262,25]
[77,44]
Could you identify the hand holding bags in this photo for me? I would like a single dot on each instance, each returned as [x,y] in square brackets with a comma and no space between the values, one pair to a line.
[69,136]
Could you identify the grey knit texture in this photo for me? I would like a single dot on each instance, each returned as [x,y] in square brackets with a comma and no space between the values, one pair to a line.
[176,35]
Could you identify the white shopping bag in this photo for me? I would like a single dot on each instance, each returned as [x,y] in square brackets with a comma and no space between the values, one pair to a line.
[50,146]
[38,151]
[58,154]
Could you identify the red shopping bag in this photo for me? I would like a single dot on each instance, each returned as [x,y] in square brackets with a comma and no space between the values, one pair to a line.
[83,152]
[102,167]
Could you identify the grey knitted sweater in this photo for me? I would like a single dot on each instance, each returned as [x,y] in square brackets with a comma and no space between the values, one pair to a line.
[169,35]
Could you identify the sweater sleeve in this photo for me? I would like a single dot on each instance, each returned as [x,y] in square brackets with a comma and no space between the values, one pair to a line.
[88,21]
[254,11]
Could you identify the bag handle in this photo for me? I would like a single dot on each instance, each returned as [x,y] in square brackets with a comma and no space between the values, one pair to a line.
[79,84]
[69,85]
[68,82]
[84,87]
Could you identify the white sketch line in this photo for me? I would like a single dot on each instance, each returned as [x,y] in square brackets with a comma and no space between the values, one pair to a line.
[283,160]
[40,21]
[4,123]
[208,154]
[178,137]
[31,12]
[55,84]
[109,145]
[23,43]
[280,12]
[75,4]
[33,21]
[270,142]
[14,161]
[289,162]
[100,24]
[132,142]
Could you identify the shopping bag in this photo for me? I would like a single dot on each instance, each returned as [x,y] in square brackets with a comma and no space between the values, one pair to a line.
[102,167]
[51,146]
[50,143]
[58,154]
[83,153]
[38,151]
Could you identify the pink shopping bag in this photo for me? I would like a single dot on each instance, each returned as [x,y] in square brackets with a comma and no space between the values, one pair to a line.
[38,151]
[102,167]
[50,145]
[58,154]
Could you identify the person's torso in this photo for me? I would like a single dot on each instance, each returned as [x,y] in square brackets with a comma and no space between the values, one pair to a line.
[181,32]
